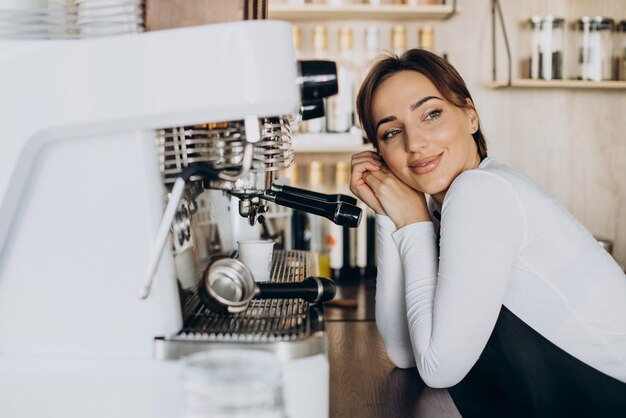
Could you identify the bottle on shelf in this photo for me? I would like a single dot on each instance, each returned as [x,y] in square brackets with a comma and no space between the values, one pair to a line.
[299,226]
[621,51]
[398,39]
[289,177]
[320,51]
[370,221]
[361,243]
[340,108]
[335,235]
[372,50]
[318,226]
[372,44]
[426,38]
[356,243]
[296,33]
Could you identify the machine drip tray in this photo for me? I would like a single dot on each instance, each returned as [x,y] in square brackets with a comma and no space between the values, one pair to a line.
[292,328]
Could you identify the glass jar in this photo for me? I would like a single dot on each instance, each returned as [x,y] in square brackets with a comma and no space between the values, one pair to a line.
[546,56]
[233,383]
[594,48]
[620,54]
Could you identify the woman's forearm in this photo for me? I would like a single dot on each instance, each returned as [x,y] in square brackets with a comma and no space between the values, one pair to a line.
[454,295]
[391,314]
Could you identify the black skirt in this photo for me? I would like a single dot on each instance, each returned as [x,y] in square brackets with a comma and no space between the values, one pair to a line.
[522,374]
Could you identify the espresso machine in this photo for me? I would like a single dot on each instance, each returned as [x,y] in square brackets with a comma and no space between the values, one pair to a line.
[124,160]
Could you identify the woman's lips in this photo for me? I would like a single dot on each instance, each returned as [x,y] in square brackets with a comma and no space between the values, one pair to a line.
[425,165]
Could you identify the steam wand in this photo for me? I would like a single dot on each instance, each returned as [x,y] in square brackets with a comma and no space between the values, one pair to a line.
[253,135]
[168,216]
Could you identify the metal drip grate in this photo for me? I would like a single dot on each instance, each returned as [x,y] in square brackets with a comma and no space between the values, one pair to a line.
[265,320]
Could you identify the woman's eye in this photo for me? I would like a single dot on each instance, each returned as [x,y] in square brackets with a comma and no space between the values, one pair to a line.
[433,114]
[390,134]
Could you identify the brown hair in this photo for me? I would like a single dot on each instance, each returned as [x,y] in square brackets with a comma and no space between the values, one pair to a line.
[443,75]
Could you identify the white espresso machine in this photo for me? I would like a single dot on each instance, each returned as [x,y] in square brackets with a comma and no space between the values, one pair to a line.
[86,163]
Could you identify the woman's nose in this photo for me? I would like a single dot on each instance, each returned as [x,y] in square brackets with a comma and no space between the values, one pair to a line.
[414,141]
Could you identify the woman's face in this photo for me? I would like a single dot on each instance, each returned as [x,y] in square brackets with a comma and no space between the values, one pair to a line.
[425,140]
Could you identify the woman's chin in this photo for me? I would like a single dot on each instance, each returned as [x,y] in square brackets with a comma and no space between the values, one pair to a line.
[434,187]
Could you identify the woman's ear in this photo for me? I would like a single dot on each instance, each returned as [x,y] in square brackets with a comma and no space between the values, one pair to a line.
[472,115]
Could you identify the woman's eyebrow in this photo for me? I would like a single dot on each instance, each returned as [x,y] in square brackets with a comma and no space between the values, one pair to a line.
[412,108]
[421,102]
[385,120]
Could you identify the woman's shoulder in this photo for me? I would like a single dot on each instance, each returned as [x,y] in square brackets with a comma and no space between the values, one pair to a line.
[488,197]
[490,177]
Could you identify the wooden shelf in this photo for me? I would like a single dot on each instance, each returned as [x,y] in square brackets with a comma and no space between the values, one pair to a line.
[360,11]
[559,84]
[323,143]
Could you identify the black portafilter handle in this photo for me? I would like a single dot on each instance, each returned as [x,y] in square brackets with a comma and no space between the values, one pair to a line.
[340,213]
[312,109]
[315,195]
[318,79]
[311,289]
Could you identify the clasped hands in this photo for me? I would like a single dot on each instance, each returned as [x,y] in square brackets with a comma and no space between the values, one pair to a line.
[374,183]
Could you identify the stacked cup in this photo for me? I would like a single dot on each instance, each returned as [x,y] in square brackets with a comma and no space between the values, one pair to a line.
[69,19]
[23,19]
[109,17]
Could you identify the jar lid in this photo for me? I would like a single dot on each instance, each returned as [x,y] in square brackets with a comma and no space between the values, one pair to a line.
[539,21]
[595,23]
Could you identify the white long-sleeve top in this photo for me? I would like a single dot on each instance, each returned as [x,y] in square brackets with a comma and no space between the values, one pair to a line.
[503,241]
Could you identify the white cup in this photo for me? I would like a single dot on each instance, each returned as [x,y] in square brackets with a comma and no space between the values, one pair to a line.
[257,255]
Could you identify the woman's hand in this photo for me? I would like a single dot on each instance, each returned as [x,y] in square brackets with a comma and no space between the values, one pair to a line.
[363,163]
[403,204]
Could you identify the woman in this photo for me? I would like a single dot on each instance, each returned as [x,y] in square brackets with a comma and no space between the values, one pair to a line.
[484,280]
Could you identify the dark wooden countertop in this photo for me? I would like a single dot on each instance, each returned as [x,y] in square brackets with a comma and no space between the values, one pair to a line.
[363,382]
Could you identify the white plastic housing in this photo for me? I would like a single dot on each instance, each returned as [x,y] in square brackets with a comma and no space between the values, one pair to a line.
[80,192]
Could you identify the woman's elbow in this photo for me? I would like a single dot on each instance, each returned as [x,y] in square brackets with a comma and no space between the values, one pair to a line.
[401,359]
[439,380]
[436,379]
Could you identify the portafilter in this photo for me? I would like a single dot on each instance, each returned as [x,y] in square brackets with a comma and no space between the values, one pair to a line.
[227,286]
[240,157]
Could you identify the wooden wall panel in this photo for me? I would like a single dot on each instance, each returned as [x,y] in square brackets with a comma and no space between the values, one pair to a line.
[165,14]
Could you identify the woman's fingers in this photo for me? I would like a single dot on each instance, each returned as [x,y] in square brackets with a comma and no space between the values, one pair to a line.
[362,164]
[383,175]
[400,202]
[359,169]
[365,154]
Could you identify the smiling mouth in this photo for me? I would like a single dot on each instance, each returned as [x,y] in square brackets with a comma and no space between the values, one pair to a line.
[426,165]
